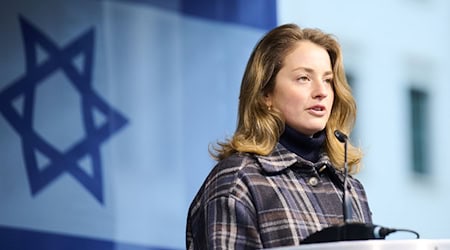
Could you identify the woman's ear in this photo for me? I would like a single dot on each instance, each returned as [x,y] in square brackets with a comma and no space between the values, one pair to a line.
[268,100]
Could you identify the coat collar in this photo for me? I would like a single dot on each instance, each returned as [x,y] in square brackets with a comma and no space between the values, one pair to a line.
[280,159]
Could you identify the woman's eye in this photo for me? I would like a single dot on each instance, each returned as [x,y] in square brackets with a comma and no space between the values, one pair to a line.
[303,78]
[329,80]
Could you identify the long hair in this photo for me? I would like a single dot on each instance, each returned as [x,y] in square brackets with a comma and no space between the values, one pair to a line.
[259,128]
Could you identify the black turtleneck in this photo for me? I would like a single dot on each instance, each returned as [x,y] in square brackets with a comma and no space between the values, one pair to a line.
[309,148]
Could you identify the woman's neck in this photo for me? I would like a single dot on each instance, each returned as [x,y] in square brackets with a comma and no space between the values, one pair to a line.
[307,147]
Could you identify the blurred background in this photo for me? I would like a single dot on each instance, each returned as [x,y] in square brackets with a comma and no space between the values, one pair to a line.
[108,108]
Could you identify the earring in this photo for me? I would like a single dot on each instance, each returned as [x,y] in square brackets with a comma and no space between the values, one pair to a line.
[269,107]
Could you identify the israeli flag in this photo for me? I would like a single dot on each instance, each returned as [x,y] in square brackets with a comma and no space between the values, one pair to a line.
[107,109]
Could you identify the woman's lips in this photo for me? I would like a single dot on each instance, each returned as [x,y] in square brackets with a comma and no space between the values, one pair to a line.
[317,110]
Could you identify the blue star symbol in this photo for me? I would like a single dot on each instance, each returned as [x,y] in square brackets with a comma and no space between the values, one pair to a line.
[36,72]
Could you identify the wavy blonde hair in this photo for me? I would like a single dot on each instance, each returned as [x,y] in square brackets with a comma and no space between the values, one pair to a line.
[259,128]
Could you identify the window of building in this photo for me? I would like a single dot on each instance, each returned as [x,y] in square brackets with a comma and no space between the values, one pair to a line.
[419,121]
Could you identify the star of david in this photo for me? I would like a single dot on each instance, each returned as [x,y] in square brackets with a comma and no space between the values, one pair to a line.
[66,161]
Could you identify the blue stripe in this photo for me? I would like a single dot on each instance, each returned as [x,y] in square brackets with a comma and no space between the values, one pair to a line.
[23,239]
[261,14]
[254,13]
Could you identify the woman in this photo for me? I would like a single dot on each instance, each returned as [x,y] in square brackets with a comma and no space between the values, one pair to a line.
[279,178]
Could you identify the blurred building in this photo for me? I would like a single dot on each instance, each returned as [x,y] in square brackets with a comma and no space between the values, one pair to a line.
[396,54]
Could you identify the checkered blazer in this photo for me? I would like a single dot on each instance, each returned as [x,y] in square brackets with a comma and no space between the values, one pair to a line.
[251,201]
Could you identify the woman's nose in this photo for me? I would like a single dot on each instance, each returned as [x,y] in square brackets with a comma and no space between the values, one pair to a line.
[319,89]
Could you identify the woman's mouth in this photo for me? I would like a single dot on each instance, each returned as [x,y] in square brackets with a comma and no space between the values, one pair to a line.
[317,110]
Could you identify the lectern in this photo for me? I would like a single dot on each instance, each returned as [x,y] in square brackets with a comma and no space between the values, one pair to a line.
[419,244]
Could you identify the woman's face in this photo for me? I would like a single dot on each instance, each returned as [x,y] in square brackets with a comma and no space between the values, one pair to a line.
[303,90]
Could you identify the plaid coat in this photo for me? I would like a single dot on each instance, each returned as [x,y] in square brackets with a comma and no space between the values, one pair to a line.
[251,201]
